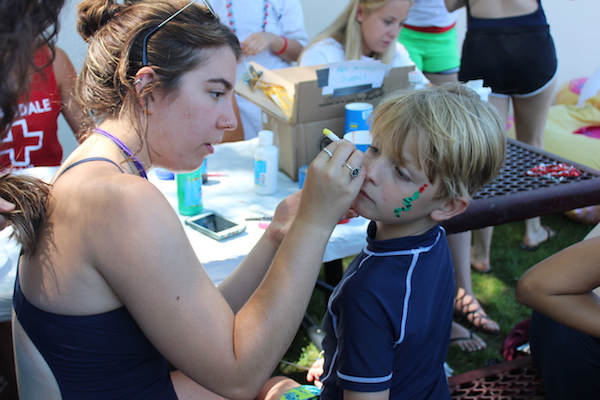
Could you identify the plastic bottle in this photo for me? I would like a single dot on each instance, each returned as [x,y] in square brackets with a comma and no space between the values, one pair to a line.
[415,80]
[266,166]
[477,86]
[189,193]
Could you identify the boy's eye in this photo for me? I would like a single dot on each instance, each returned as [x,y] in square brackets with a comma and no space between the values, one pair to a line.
[217,94]
[373,149]
[401,174]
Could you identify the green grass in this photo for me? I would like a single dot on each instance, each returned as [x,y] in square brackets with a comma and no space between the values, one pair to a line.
[495,291]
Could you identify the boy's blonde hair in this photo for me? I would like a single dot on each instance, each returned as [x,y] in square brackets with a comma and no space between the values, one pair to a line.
[346,30]
[456,137]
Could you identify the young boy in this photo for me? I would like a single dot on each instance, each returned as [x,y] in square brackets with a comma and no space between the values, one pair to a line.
[388,321]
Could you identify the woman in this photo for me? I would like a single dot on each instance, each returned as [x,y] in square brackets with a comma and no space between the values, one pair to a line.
[113,289]
[50,94]
[366,30]
[563,291]
[23,22]
[271,33]
[508,44]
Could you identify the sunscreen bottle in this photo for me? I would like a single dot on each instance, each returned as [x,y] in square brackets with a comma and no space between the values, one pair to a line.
[266,157]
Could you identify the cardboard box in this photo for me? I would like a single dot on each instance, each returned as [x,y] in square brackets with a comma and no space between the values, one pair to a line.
[299,138]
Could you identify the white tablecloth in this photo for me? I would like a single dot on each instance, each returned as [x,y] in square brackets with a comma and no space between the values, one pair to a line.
[232,195]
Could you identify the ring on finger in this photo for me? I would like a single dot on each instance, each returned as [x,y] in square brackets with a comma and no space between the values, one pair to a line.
[354,172]
[326,150]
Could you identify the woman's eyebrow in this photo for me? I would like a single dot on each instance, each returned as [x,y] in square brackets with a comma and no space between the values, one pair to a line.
[228,85]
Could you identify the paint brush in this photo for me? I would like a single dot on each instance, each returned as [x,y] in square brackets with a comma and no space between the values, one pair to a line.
[332,136]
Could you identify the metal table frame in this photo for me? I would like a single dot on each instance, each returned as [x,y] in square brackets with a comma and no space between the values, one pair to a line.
[515,196]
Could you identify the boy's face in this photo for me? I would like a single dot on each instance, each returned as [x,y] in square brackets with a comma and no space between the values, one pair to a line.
[399,198]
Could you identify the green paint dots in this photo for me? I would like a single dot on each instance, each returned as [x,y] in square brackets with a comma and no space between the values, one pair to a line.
[408,201]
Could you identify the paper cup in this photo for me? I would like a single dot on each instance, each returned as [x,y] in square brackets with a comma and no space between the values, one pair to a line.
[361,139]
[357,117]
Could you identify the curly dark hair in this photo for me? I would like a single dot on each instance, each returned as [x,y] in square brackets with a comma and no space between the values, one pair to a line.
[25,25]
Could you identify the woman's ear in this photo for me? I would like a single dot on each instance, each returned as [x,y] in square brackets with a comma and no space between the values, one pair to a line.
[360,13]
[450,209]
[144,76]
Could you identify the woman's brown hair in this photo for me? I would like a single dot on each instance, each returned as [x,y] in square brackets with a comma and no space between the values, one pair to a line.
[105,86]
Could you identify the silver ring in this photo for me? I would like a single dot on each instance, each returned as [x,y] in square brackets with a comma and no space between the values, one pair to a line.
[326,150]
[354,172]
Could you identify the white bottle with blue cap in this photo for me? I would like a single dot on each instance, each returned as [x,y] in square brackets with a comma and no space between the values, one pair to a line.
[266,167]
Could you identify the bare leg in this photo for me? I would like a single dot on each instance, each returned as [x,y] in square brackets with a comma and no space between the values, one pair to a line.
[460,247]
[466,304]
[439,79]
[531,114]
[480,253]
[482,239]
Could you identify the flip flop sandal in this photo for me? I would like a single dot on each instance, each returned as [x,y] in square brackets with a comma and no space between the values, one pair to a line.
[458,342]
[550,235]
[481,271]
[477,318]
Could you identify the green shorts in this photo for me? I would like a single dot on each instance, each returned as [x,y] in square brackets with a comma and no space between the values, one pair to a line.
[304,392]
[433,53]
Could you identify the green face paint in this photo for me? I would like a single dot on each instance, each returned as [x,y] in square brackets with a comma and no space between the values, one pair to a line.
[408,201]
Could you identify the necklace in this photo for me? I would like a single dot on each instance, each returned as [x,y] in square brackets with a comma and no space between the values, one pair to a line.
[232,19]
[124,149]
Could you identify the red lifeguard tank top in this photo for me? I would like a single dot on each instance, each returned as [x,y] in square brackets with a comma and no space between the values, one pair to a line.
[32,140]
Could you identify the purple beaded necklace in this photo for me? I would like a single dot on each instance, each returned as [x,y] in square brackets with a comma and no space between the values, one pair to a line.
[124,149]
[232,19]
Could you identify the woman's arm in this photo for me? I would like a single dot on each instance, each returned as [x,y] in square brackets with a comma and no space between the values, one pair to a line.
[453,5]
[158,277]
[65,74]
[281,46]
[561,287]
[245,279]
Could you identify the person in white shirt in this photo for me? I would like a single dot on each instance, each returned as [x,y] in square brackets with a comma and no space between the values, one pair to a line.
[271,33]
[365,30]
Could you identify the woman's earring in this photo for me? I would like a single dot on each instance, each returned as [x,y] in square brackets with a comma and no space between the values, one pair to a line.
[138,80]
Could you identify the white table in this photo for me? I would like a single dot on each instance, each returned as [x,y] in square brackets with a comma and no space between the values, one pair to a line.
[232,195]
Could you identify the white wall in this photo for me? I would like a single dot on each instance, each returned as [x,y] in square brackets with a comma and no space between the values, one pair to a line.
[575,26]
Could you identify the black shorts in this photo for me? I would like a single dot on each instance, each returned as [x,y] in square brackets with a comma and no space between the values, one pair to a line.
[568,360]
[513,61]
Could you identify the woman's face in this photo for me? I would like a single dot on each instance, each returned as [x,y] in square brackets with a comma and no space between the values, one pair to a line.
[184,127]
[381,27]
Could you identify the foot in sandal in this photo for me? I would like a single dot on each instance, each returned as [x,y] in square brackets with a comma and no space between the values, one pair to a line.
[469,310]
[465,339]
[543,236]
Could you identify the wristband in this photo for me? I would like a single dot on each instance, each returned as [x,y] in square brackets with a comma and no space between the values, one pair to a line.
[284,48]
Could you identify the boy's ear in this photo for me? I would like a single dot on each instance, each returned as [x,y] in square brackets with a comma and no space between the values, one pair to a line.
[450,209]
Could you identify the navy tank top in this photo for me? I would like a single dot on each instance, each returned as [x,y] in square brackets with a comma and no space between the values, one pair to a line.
[96,357]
